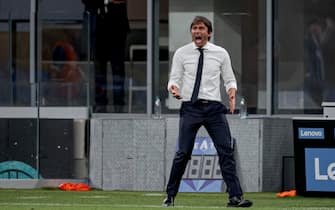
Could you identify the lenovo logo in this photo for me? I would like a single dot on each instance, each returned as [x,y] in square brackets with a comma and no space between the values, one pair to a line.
[329,170]
[311,133]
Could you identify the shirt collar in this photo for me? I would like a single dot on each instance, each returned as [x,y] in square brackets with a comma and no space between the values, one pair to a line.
[206,47]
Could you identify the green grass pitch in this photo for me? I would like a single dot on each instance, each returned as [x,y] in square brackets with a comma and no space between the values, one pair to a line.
[54,199]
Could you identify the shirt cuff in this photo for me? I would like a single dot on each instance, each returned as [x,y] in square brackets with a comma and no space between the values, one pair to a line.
[231,85]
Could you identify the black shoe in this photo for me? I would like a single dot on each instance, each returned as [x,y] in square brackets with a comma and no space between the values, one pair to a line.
[168,201]
[238,202]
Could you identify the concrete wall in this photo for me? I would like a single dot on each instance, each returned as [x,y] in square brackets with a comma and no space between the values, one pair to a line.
[136,154]
[127,154]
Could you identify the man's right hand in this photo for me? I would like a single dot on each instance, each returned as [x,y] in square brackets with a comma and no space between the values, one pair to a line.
[175,92]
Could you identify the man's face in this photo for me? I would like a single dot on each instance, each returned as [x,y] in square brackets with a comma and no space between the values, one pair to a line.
[200,34]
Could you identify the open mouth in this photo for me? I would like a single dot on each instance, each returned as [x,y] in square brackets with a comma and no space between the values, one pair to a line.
[197,37]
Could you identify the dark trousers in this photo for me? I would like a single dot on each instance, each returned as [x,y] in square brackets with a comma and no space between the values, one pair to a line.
[211,115]
[118,74]
[110,48]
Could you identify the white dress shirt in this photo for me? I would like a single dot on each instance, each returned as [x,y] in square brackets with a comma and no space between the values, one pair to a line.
[217,64]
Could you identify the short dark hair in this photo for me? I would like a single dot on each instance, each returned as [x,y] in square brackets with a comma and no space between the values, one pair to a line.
[202,19]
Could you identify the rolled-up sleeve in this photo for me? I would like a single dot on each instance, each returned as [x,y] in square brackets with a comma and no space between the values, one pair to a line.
[176,71]
[227,73]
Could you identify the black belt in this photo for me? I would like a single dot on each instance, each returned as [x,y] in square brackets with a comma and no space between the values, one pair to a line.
[203,101]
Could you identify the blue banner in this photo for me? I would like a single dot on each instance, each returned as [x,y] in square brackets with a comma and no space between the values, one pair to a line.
[189,185]
[202,173]
[203,146]
[320,169]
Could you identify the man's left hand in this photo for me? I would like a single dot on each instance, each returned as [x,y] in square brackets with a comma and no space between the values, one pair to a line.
[231,94]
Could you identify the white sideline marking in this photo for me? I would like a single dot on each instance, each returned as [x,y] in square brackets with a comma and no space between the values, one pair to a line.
[105,205]
[94,196]
[153,194]
[148,206]
[32,197]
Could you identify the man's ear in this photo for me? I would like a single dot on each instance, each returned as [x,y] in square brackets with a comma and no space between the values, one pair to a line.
[209,35]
